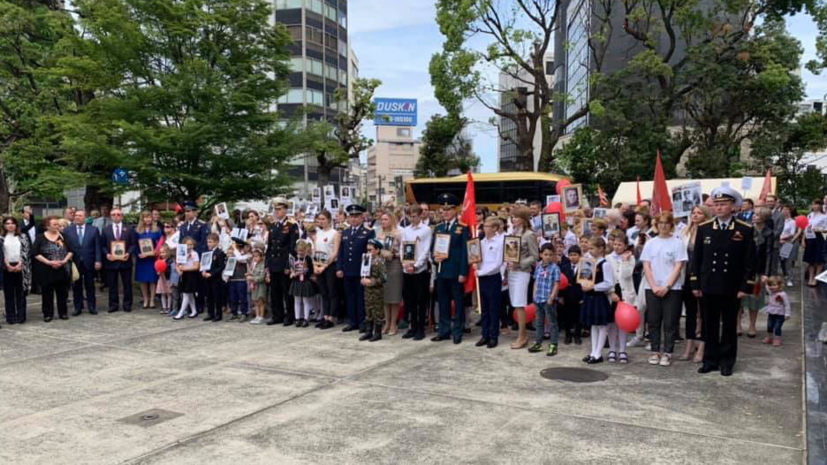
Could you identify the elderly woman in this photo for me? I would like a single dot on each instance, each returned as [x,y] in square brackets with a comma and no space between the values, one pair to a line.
[52,269]
[14,253]
[519,274]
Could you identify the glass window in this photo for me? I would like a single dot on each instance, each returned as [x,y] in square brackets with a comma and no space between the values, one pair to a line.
[330,12]
[296,65]
[343,76]
[343,49]
[314,35]
[403,132]
[342,20]
[295,32]
[288,4]
[292,96]
[332,72]
[315,6]
[316,97]
[316,67]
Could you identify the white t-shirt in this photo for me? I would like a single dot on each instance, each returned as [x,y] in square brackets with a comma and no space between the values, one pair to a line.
[789,228]
[662,254]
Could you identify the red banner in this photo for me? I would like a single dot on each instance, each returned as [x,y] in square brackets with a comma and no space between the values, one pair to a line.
[469,217]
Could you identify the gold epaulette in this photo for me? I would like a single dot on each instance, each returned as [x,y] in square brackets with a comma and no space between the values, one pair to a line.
[744,223]
[707,222]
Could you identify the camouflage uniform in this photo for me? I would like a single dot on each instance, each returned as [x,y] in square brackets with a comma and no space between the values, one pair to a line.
[374,294]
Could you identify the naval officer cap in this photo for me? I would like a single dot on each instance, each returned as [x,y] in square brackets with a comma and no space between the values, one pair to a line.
[447,200]
[354,209]
[281,202]
[724,193]
[190,206]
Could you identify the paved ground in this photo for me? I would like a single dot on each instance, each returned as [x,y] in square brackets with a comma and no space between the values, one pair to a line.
[815,332]
[246,395]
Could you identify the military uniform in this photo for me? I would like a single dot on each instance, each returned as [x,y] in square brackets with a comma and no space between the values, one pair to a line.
[448,287]
[354,243]
[281,244]
[723,264]
[198,231]
[375,297]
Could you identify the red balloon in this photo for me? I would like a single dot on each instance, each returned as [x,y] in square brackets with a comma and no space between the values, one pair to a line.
[561,184]
[530,310]
[160,266]
[801,222]
[564,282]
[556,207]
[626,317]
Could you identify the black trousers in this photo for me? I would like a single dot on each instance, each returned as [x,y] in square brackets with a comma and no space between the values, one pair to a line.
[279,296]
[692,305]
[49,291]
[450,290]
[85,283]
[215,296]
[491,302]
[125,276]
[720,315]
[14,296]
[416,295]
[328,288]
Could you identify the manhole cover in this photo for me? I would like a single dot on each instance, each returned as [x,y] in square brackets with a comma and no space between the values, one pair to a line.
[574,375]
[150,417]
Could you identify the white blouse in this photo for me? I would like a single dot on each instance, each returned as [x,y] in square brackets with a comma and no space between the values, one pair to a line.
[11,248]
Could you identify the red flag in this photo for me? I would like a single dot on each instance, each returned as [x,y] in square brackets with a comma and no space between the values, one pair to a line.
[767,188]
[604,201]
[661,200]
[469,217]
[639,200]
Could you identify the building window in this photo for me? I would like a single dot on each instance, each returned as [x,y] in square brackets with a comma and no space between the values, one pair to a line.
[342,20]
[330,12]
[315,6]
[295,32]
[332,72]
[316,97]
[288,4]
[330,41]
[314,35]
[403,132]
[296,65]
[292,96]
[343,49]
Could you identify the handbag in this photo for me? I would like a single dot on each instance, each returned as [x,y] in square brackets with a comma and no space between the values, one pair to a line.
[75,273]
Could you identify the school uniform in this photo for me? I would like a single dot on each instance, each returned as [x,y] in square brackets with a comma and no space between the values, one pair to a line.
[597,311]
[490,277]
[215,285]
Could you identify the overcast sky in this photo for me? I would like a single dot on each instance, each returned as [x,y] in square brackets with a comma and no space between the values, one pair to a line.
[394,41]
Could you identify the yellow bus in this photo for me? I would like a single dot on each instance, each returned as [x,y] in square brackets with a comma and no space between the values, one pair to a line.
[491,189]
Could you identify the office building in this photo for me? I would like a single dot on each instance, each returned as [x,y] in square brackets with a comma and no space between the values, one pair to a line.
[321,63]
[391,161]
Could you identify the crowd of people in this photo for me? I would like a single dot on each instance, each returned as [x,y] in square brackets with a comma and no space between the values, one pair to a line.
[407,268]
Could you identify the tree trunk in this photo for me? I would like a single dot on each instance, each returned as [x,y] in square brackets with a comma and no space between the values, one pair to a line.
[5,197]
[324,179]
[547,145]
[94,198]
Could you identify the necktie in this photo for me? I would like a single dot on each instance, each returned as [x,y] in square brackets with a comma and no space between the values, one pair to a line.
[118,232]
[80,233]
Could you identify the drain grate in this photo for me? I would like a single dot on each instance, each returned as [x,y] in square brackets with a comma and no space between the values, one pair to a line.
[150,417]
[574,375]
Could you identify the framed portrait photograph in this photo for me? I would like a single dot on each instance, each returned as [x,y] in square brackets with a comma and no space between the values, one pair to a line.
[552,199]
[586,226]
[408,252]
[511,249]
[585,271]
[118,249]
[239,233]
[442,245]
[345,192]
[146,247]
[474,251]
[181,254]
[572,196]
[366,261]
[229,269]
[551,224]
[320,258]
[206,261]
[599,213]
[222,211]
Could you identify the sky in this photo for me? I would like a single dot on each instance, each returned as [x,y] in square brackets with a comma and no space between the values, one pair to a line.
[394,41]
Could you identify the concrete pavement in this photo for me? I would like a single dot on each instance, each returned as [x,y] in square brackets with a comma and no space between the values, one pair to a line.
[75,391]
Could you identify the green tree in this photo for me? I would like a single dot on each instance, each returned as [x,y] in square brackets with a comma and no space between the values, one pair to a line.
[184,97]
[445,147]
[33,35]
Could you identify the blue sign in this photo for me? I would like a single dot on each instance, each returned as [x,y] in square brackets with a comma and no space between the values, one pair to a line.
[120,176]
[395,112]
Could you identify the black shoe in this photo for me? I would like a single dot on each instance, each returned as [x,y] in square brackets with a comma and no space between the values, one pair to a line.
[726,371]
[195,315]
[93,312]
[377,333]
[209,318]
[47,319]
[587,358]
[457,340]
[595,360]
[479,323]
[76,312]
[288,323]
[707,368]
[216,320]
[466,331]
[112,310]
[577,340]
[411,333]
[63,317]
[492,343]
[419,336]
[567,340]
[319,324]
[127,310]
[481,342]
[328,324]
[349,328]
[274,322]
[440,338]
[366,335]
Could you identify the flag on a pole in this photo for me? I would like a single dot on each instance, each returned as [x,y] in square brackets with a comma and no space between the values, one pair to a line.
[469,217]
[766,189]
[661,200]
[604,201]
[639,200]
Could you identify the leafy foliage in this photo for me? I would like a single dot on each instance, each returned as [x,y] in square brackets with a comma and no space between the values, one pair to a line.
[444,148]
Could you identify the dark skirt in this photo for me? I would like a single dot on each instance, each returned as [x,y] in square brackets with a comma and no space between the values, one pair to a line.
[302,288]
[814,250]
[597,310]
[189,282]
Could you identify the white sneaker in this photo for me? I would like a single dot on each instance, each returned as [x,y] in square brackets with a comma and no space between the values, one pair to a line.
[634,342]
[789,283]
[654,359]
[666,360]
[256,321]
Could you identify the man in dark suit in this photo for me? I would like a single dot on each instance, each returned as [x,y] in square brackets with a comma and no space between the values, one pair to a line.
[86,242]
[198,231]
[722,273]
[451,270]
[118,267]
[354,244]
[281,243]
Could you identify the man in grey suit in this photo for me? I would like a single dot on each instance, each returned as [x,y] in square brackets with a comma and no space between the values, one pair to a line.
[774,205]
